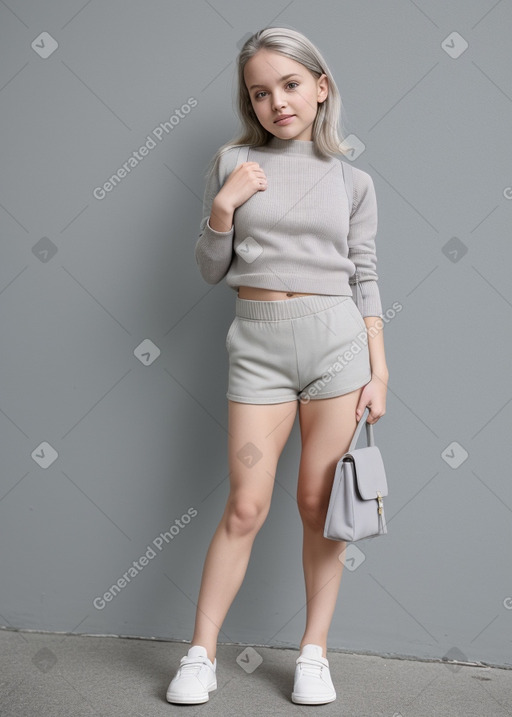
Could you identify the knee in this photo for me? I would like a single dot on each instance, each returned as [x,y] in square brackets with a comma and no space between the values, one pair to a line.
[244,516]
[313,510]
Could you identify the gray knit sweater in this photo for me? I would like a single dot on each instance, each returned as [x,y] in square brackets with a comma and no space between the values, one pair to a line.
[296,234]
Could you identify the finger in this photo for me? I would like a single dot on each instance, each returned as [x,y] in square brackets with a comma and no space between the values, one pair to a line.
[361,406]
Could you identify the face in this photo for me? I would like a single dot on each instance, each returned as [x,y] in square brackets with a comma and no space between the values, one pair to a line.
[278,86]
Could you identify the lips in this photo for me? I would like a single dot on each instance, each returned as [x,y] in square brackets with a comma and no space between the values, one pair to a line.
[282,117]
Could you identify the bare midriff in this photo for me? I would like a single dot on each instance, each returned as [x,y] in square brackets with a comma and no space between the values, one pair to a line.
[254,294]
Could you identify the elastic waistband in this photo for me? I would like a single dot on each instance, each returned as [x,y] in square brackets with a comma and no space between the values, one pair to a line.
[292,308]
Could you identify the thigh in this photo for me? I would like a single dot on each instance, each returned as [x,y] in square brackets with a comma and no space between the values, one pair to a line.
[327,426]
[257,436]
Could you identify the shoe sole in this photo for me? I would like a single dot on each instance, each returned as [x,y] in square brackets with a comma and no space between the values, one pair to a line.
[181,700]
[298,700]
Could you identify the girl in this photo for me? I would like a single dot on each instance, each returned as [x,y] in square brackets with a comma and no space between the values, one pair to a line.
[281,230]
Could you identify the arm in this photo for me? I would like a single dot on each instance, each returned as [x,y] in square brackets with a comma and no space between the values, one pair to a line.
[221,217]
[374,327]
[361,246]
[214,247]
[374,392]
[361,240]
[223,194]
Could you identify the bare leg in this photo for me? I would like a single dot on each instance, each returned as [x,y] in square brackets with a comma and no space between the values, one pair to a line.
[327,426]
[258,434]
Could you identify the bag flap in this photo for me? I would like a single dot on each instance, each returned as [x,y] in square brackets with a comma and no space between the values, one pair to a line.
[369,470]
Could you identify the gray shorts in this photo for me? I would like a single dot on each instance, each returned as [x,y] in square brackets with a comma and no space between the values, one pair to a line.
[303,348]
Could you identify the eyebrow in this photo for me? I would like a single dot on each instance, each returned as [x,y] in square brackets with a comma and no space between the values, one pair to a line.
[284,77]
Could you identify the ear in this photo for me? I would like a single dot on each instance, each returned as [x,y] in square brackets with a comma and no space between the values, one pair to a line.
[322,88]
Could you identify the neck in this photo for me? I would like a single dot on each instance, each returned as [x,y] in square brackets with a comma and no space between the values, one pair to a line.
[293,146]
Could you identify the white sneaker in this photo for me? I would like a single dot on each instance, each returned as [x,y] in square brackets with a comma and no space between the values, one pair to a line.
[194,678]
[312,684]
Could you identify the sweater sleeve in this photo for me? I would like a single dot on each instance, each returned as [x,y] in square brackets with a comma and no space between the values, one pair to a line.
[213,250]
[361,246]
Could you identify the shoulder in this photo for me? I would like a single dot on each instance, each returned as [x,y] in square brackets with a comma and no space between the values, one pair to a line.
[364,188]
[361,178]
[227,159]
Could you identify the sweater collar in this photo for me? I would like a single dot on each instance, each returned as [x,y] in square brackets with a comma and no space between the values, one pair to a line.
[292,146]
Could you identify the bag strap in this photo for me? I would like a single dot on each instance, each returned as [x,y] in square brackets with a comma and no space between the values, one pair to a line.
[348,178]
[237,158]
[243,153]
[369,431]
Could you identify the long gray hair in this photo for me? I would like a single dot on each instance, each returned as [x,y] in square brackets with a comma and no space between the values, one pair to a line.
[291,43]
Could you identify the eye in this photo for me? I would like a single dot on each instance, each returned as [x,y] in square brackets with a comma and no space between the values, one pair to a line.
[258,95]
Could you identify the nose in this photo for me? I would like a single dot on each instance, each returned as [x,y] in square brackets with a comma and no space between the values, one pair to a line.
[278,100]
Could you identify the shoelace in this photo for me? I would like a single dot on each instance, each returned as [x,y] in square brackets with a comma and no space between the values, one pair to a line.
[311,666]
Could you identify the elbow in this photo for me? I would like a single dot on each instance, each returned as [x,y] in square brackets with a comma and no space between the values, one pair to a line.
[210,277]
[213,265]
[209,271]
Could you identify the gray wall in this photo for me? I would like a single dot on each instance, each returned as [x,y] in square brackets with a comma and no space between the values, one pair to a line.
[112,347]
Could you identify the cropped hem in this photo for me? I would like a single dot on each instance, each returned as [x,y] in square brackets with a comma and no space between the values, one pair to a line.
[366,296]
[296,283]
[216,231]
[260,400]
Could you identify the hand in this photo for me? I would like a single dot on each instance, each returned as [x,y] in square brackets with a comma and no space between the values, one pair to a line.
[244,181]
[373,395]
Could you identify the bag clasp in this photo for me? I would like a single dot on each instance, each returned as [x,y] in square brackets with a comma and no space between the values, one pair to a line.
[380,503]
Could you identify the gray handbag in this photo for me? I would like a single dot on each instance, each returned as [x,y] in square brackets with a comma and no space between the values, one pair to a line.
[356,508]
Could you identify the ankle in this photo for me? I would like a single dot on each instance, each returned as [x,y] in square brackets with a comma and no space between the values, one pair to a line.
[210,652]
[307,641]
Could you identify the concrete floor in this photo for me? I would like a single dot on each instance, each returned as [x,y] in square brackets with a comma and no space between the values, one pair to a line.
[56,675]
